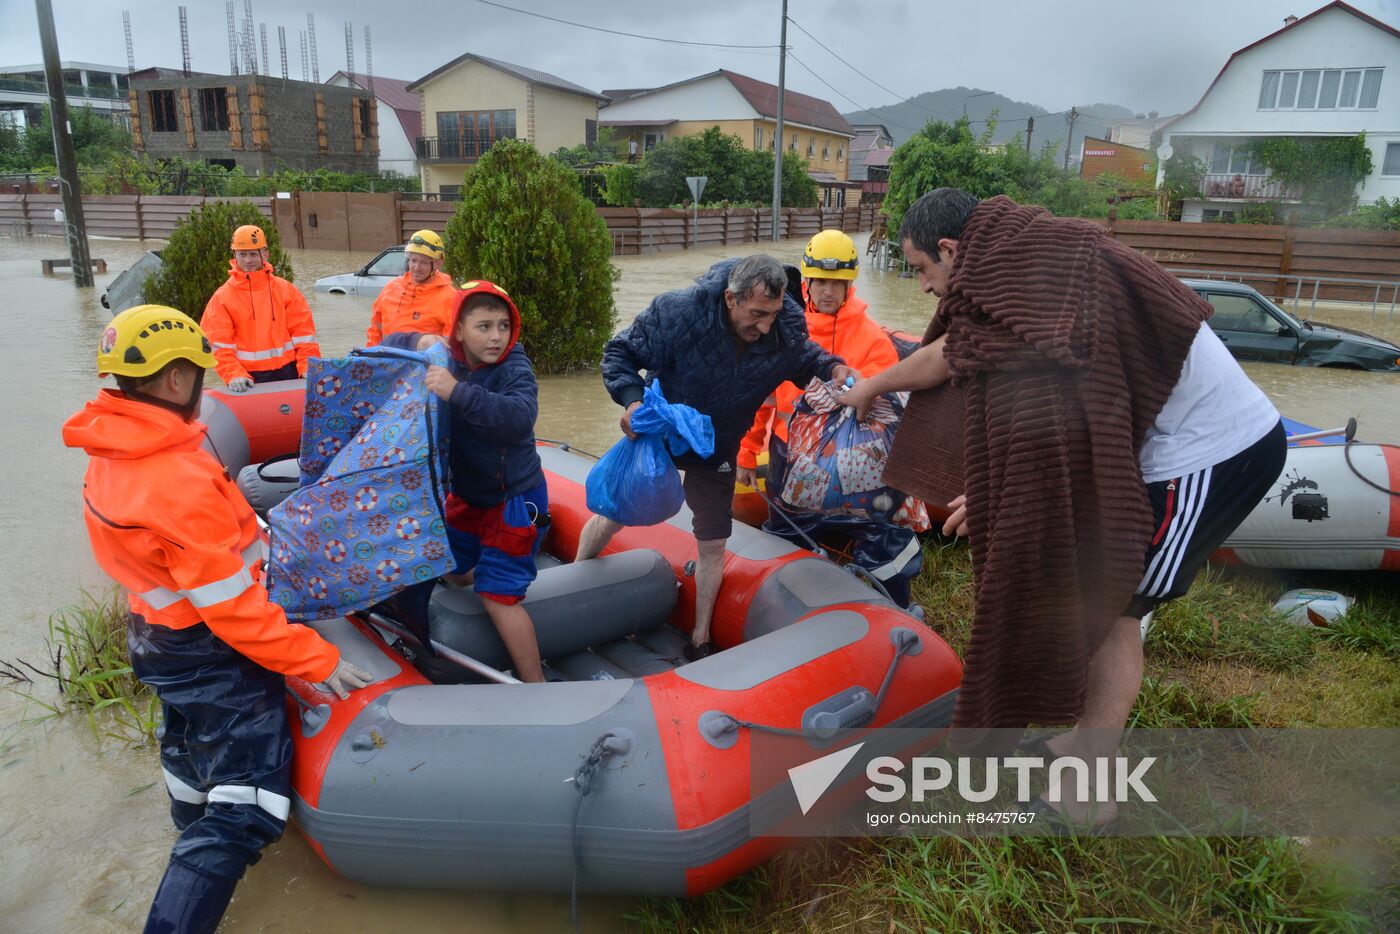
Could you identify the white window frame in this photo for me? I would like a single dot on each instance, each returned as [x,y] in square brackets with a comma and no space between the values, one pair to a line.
[1392,150]
[1288,88]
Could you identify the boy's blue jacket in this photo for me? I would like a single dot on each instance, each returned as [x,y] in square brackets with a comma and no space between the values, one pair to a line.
[684,338]
[491,414]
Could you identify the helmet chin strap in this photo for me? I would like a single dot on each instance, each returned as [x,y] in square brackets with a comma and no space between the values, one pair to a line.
[188,409]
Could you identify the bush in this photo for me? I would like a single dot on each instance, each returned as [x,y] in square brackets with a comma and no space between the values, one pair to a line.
[195,263]
[524,224]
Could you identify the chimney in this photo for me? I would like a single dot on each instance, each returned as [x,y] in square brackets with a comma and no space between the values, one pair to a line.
[1290,19]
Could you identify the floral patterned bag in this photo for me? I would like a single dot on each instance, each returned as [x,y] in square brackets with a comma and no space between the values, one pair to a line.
[835,463]
[367,520]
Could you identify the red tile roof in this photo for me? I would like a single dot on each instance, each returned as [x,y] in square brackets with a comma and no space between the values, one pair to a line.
[798,108]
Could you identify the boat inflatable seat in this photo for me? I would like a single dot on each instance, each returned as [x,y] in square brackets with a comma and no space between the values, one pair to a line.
[573,606]
[267,484]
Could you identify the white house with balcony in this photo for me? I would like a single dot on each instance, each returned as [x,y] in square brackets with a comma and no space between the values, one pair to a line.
[1332,73]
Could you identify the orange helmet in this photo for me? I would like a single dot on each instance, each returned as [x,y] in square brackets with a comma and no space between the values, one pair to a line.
[249,237]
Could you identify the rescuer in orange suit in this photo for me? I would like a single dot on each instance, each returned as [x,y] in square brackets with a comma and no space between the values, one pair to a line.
[170,527]
[421,300]
[258,322]
[836,320]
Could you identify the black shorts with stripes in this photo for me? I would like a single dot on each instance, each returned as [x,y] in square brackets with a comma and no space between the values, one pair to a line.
[1193,515]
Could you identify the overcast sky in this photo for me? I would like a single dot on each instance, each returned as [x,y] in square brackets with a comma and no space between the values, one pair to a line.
[1145,56]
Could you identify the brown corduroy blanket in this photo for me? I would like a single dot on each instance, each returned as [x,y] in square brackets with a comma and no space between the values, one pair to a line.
[1067,345]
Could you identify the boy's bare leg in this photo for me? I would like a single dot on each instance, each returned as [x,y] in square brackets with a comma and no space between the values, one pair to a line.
[709,574]
[518,633]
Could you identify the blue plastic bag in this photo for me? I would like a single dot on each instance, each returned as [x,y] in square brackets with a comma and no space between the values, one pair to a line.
[635,483]
[367,520]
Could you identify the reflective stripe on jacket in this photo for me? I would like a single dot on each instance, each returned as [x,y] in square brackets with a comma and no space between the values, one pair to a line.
[257,321]
[848,334]
[167,523]
[403,305]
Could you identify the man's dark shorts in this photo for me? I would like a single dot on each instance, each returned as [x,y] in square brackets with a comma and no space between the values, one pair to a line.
[1193,515]
[709,492]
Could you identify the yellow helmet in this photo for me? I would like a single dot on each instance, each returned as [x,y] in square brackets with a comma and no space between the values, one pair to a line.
[142,340]
[426,242]
[830,255]
[249,237]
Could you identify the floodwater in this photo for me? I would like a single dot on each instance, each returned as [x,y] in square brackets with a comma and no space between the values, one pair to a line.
[83,828]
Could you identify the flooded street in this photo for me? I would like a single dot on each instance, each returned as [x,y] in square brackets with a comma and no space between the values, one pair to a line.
[84,828]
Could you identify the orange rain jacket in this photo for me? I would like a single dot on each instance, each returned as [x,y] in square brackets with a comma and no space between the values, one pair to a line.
[168,525]
[257,321]
[403,305]
[848,334]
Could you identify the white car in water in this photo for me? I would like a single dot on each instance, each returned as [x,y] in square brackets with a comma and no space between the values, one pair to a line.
[369,279]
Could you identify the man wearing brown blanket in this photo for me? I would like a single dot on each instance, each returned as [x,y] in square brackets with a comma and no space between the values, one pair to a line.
[1111,444]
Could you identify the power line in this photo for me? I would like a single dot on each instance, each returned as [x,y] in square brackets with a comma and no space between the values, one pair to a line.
[903,98]
[616,32]
[857,104]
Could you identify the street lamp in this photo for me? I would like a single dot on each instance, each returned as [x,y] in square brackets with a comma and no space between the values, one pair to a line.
[968,97]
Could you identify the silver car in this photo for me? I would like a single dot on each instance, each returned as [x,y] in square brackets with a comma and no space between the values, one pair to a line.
[370,279]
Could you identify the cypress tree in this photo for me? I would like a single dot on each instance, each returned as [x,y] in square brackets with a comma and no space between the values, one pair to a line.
[524,224]
[195,261]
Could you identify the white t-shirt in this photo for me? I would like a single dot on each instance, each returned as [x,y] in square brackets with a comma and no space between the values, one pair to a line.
[1213,413]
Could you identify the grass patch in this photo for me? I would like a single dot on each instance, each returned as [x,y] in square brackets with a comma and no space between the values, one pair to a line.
[1028,884]
[88,663]
[1220,657]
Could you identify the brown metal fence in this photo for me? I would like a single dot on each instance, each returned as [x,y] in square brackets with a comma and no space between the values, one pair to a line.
[366,222]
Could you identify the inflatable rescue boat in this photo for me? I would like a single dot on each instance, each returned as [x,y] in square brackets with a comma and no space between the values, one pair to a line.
[629,772]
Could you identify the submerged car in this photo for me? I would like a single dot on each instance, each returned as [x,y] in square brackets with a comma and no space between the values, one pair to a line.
[369,279]
[1254,328]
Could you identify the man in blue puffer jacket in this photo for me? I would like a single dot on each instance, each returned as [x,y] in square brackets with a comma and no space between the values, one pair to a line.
[721,346]
[498,498]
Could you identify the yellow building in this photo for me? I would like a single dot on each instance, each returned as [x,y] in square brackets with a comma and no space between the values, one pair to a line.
[741,106]
[473,101]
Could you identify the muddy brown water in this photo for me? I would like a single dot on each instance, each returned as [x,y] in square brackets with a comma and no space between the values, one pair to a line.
[83,826]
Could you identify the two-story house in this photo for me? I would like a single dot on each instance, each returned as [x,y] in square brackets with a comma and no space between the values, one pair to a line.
[744,107]
[1332,73]
[399,122]
[473,101]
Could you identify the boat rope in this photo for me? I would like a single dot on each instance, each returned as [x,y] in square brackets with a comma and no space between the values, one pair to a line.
[903,647]
[1346,453]
[566,446]
[852,567]
[603,748]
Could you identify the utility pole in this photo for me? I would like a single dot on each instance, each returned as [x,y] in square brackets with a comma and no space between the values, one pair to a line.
[778,137]
[68,184]
[1030,129]
[1072,116]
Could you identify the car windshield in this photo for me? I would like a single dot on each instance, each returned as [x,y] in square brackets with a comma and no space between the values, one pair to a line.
[391,263]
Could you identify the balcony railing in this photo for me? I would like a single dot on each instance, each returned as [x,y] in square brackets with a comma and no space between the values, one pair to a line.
[1247,187]
[92,91]
[457,148]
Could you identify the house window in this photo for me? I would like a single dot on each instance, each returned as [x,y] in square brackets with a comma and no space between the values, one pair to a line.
[163,111]
[590,132]
[811,146]
[826,151]
[468,134]
[840,154]
[1319,89]
[758,137]
[363,114]
[1391,164]
[792,142]
[213,109]
[649,141]
[1214,216]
